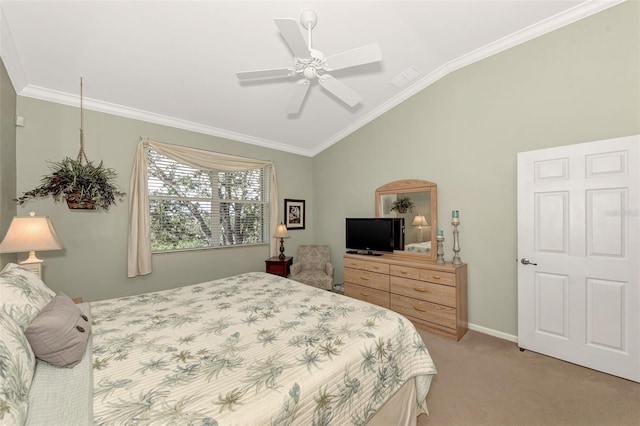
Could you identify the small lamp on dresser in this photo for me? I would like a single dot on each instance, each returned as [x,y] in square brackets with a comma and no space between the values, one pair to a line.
[28,234]
[281,232]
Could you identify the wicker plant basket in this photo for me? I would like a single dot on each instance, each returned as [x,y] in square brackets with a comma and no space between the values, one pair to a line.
[75,202]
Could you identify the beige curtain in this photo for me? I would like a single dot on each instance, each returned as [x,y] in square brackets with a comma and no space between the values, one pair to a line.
[139,250]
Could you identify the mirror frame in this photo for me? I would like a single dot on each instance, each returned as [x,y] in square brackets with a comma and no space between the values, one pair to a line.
[409,186]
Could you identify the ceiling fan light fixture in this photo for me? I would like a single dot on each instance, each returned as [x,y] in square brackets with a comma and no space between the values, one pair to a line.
[310,73]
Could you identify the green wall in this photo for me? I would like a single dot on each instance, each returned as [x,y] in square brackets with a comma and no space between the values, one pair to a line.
[93,262]
[7,157]
[576,84]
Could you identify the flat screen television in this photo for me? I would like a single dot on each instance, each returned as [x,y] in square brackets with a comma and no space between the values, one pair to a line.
[369,235]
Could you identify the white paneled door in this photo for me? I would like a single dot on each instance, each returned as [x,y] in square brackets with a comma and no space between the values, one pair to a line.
[579,254]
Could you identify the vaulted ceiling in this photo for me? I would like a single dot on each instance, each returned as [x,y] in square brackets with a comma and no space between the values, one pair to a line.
[175,62]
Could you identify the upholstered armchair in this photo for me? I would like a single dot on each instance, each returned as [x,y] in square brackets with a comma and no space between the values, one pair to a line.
[313,267]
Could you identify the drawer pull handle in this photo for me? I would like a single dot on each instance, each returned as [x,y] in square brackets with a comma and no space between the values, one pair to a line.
[362,293]
[376,267]
[364,278]
[404,272]
[436,277]
[421,290]
[419,309]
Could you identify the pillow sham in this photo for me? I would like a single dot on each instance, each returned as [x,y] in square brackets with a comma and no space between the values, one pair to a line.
[59,333]
[22,294]
[17,366]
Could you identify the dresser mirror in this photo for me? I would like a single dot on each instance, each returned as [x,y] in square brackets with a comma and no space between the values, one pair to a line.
[413,203]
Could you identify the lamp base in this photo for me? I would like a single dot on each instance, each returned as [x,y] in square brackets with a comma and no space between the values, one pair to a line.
[35,267]
[282,256]
[31,259]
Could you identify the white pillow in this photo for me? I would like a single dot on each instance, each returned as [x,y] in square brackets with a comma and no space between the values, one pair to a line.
[22,294]
[17,366]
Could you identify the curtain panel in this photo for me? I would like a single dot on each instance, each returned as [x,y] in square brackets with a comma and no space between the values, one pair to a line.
[139,246]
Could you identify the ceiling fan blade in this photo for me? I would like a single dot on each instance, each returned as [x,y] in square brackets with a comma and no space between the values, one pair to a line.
[299,94]
[339,90]
[264,74]
[354,57]
[293,37]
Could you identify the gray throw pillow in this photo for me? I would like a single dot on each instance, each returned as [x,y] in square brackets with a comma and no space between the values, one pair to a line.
[59,333]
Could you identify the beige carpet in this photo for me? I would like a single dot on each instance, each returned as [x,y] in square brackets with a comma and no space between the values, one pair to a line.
[483,380]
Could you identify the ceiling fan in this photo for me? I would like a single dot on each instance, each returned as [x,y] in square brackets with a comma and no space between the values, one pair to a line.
[310,64]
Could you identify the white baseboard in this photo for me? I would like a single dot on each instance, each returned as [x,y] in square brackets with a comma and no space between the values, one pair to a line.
[494,333]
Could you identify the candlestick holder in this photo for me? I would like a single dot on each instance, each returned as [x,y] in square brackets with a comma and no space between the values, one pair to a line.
[440,240]
[456,242]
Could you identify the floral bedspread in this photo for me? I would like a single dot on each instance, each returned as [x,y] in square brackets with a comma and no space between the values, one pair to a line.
[247,350]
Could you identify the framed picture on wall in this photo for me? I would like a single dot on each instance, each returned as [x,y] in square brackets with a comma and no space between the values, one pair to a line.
[294,215]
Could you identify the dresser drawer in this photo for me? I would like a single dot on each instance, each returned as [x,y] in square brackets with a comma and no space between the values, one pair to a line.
[433,276]
[423,290]
[427,311]
[354,263]
[381,268]
[377,297]
[405,272]
[367,279]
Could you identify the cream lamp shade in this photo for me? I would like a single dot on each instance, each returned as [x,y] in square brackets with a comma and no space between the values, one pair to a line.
[420,221]
[281,232]
[28,234]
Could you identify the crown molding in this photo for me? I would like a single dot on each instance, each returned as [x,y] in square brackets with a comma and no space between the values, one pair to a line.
[64,98]
[548,25]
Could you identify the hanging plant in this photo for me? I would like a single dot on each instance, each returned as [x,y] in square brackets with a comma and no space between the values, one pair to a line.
[80,182]
[83,186]
[402,204]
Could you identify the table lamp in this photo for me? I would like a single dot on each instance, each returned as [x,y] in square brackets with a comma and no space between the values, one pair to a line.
[420,221]
[28,234]
[281,232]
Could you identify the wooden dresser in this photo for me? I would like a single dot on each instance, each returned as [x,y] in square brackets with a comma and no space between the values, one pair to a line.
[433,296]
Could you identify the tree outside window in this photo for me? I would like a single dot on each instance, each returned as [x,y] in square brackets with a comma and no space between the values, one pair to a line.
[191,208]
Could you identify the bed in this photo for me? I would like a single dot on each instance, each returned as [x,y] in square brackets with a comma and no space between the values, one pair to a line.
[423,247]
[249,349]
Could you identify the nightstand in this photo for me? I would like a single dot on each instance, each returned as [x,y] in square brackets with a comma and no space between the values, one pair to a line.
[277,266]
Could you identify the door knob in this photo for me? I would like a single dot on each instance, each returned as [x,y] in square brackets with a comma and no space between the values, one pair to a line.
[526,261]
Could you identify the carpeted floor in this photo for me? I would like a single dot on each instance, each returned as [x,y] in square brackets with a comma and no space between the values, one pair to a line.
[483,380]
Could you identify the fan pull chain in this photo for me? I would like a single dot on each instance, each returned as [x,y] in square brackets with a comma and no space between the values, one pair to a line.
[81,153]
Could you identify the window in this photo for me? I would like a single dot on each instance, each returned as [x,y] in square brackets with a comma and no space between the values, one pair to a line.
[192,208]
